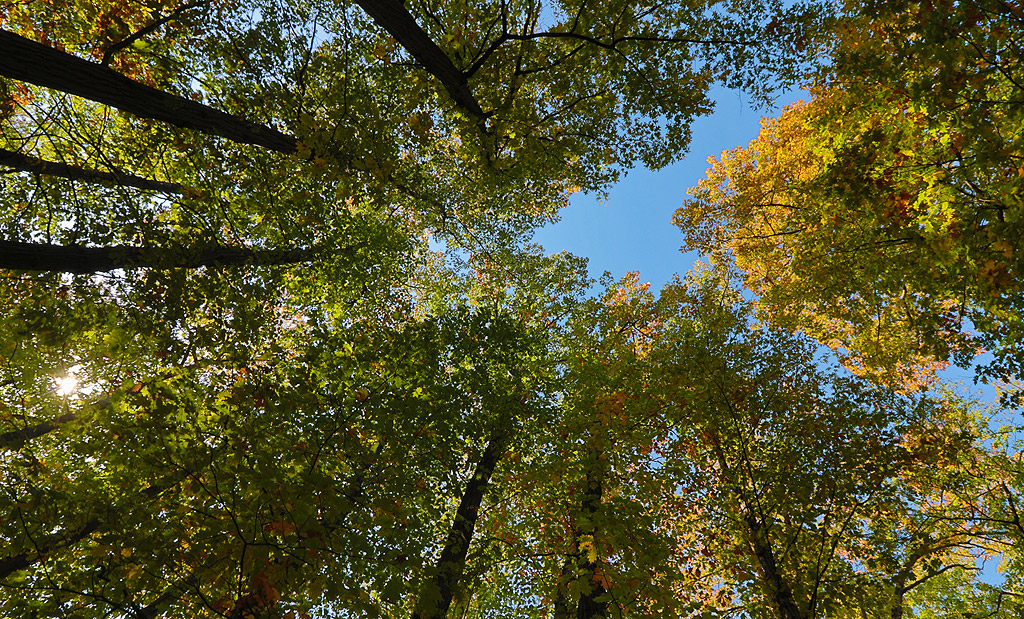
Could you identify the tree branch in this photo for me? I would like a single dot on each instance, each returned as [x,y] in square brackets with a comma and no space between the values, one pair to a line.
[14,438]
[108,53]
[26,163]
[25,559]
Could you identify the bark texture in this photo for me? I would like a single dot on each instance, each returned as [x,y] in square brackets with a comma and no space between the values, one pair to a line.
[589,606]
[27,61]
[778,588]
[437,594]
[399,23]
[26,163]
[77,259]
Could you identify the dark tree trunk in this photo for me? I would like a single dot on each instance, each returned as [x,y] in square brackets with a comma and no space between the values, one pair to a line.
[778,588]
[396,19]
[897,603]
[775,586]
[589,606]
[23,560]
[437,594]
[26,163]
[15,438]
[25,60]
[76,259]
[561,604]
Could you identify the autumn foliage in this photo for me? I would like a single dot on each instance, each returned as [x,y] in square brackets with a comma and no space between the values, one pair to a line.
[274,345]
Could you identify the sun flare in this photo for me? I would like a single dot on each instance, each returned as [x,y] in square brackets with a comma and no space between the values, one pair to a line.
[66,385]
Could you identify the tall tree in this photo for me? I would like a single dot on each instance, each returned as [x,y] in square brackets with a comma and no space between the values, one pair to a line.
[820,494]
[35,63]
[312,80]
[880,216]
[383,430]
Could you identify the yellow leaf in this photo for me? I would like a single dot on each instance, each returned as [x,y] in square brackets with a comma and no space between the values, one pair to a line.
[587,545]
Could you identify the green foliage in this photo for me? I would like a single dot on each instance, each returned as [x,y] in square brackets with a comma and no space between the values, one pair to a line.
[882,215]
[272,440]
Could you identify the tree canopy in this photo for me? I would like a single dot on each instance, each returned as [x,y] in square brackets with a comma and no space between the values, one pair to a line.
[274,343]
[882,215]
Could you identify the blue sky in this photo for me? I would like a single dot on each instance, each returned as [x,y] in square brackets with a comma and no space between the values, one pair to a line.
[632,230]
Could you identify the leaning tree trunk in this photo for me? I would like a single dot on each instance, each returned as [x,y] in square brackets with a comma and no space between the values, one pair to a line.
[399,23]
[777,587]
[438,592]
[27,61]
[77,259]
[25,163]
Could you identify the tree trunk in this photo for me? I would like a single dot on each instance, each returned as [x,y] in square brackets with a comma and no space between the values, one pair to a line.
[77,259]
[589,606]
[778,588]
[436,596]
[25,559]
[25,60]
[396,19]
[897,603]
[561,604]
[15,438]
[26,163]
[775,586]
